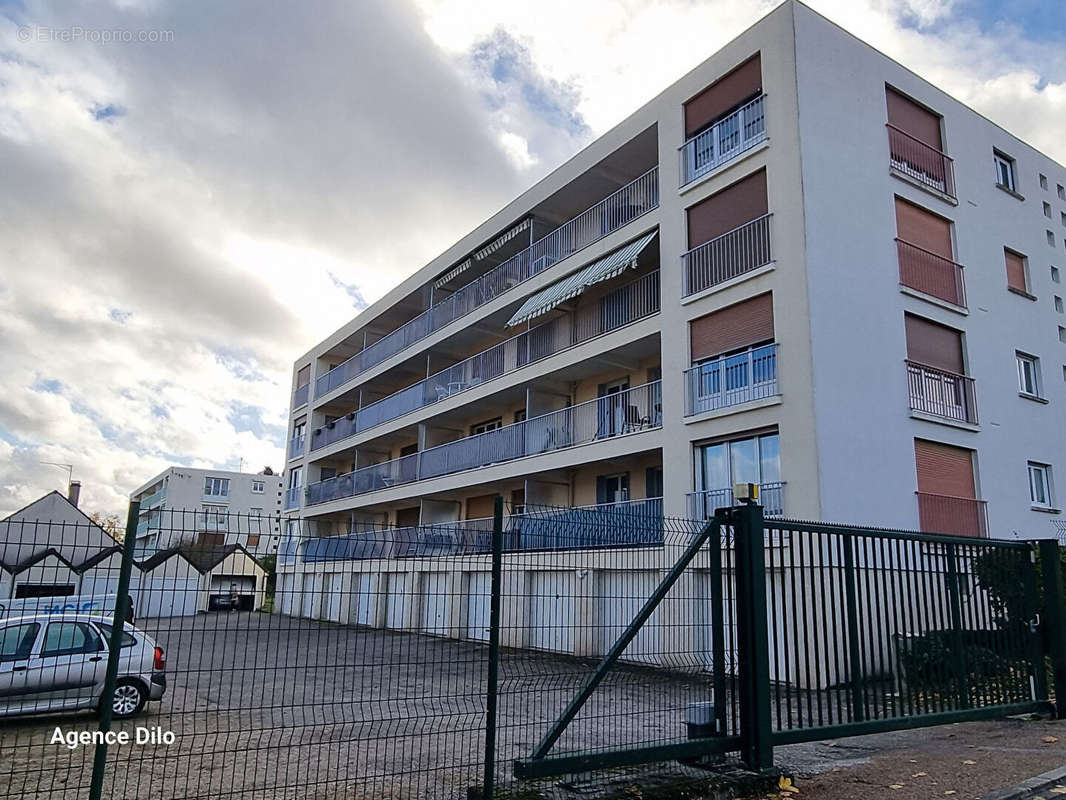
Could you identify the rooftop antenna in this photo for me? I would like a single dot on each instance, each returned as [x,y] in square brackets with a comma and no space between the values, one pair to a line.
[68,467]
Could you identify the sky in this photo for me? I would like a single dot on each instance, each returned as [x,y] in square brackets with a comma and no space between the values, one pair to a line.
[192,195]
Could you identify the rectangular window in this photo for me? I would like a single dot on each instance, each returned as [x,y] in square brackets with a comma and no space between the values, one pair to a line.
[1040,485]
[258,487]
[934,345]
[723,96]
[947,490]
[1058,304]
[485,427]
[1028,374]
[303,376]
[1004,170]
[1043,182]
[1062,192]
[216,487]
[1050,238]
[1055,275]
[1017,271]
[1047,210]
[215,517]
[296,478]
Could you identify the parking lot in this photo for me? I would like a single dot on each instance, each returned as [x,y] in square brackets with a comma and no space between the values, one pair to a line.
[267,706]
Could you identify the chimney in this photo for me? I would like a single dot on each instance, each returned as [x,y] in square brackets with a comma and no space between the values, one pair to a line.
[74,493]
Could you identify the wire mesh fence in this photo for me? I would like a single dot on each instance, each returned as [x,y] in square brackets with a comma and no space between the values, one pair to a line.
[380,662]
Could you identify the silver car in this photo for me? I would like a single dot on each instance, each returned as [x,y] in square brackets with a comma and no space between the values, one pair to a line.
[57,662]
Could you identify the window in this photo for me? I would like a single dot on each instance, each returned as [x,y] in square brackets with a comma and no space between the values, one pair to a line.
[258,486]
[1062,334]
[612,488]
[1004,170]
[1050,238]
[756,459]
[1062,192]
[1017,271]
[1055,276]
[1028,374]
[1062,217]
[1058,304]
[299,429]
[1047,210]
[255,512]
[485,427]
[70,638]
[215,517]
[127,639]
[296,478]
[1043,182]
[216,487]
[1040,485]
[16,641]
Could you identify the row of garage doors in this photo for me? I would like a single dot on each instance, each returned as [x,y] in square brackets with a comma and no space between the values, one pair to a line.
[422,602]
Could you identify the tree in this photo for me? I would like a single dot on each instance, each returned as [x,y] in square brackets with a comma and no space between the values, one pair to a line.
[111,523]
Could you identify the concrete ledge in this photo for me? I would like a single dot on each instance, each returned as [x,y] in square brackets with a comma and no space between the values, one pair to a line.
[1032,787]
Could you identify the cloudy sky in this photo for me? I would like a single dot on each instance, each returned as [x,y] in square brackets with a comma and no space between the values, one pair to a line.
[180,218]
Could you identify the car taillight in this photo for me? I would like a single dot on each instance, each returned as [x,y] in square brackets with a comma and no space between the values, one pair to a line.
[160,662]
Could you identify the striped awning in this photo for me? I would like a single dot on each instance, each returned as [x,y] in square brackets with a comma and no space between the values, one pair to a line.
[503,239]
[571,286]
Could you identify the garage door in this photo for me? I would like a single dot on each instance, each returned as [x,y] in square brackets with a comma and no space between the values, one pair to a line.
[170,597]
[622,594]
[551,611]
[435,603]
[396,601]
[307,597]
[362,610]
[478,597]
[283,594]
[333,583]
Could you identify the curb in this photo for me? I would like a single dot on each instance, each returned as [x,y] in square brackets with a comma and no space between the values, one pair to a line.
[1028,788]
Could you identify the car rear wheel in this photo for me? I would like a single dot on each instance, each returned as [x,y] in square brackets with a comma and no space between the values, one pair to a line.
[130,697]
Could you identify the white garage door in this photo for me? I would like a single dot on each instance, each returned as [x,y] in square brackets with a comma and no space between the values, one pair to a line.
[307,597]
[551,611]
[334,581]
[170,597]
[396,601]
[478,598]
[622,594]
[435,603]
[362,610]
[283,593]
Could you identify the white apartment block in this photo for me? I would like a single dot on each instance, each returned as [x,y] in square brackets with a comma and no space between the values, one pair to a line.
[183,505]
[801,265]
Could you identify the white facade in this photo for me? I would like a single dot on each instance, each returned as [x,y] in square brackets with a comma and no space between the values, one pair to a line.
[183,505]
[381,433]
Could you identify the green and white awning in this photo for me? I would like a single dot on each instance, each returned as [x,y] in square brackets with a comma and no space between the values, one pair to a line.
[604,269]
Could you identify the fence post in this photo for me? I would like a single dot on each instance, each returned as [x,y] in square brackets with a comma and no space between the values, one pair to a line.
[754,647]
[114,646]
[854,644]
[492,682]
[1055,619]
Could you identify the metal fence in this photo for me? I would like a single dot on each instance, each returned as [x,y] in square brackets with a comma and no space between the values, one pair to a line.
[493,657]
[735,252]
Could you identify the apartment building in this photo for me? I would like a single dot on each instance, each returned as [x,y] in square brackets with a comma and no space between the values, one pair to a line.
[801,265]
[210,507]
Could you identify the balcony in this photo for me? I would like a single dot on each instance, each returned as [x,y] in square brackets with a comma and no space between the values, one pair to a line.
[607,216]
[296,446]
[300,396]
[630,411]
[702,504]
[154,499]
[941,394]
[626,304]
[292,497]
[930,274]
[920,162]
[723,141]
[735,252]
[731,380]
[962,516]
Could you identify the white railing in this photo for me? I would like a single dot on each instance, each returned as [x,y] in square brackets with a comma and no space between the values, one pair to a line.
[620,208]
[723,141]
[941,393]
[702,504]
[735,252]
[626,412]
[731,380]
[628,303]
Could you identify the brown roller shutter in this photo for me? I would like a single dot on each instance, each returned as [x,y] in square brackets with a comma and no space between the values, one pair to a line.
[934,345]
[303,376]
[923,228]
[943,469]
[720,213]
[912,119]
[480,507]
[1015,270]
[733,327]
[743,83]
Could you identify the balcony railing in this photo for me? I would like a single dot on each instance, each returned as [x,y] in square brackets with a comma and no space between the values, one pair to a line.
[735,252]
[920,161]
[628,303]
[620,208]
[702,504]
[296,446]
[300,396]
[931,274]
[155,498]
[962,516]
[629,411]
[292,497]
[723,141]
[941,393]
[731,380]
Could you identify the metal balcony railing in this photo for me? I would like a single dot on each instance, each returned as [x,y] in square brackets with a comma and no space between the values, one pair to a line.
[300,396]
[920,161]
[626,304]
[723,141]
[962,516]
[941,393]
[931,274]
[702,504]
[629,411]
[292,497]
[620,208]
[735,252]
[731,380]
[296,446]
